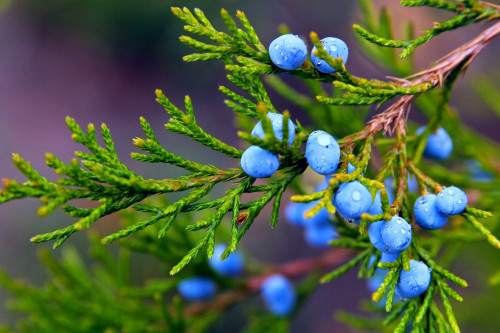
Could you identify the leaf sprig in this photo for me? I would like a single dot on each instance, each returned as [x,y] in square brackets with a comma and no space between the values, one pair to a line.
[101,176]
[466,12]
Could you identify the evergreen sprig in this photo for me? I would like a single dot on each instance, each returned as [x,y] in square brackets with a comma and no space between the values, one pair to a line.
[101,176]
[466,13]
[103,297]
[247,61]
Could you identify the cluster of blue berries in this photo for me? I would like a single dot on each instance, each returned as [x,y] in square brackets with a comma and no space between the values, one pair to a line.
[258,162]
[289,52]
[351,199]
[431,211]
[277,291]
[204,288]
[391,238]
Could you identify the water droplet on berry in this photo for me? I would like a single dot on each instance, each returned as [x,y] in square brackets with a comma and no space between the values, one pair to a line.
[450,192]
[427,209]
[403,231]
[333,48]
[318,63]
[324,140]
[459,201]
[356,195]
[286,58]
[277,47]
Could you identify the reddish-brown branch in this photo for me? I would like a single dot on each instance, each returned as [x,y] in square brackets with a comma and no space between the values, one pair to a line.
[394,117]
[290,269]
[489,4]
[300,267]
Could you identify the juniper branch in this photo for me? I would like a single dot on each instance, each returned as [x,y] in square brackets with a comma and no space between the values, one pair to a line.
[463,17]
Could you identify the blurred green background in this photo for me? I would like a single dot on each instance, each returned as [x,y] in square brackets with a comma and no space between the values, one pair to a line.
[100,61]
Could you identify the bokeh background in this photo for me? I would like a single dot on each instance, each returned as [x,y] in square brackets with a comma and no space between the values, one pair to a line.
[100,61]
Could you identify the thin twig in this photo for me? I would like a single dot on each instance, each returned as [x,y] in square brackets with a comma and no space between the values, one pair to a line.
[395,115]
[290,269]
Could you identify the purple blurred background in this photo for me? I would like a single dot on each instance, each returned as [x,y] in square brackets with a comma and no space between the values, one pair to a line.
[102,62]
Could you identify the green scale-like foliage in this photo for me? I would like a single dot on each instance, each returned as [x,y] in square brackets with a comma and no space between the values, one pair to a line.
[99,175]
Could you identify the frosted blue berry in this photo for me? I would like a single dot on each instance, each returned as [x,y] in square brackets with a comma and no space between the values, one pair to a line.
[427,216]
[259,163]
[390,237]
[439,145]
[288,52]
[277,123]
[197,289]
[414,282]
[322,152]
[451,201]
[294,213]
[352,199]
[335,48]
[279,295]
[320,235]
[232,266]
[396,235]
